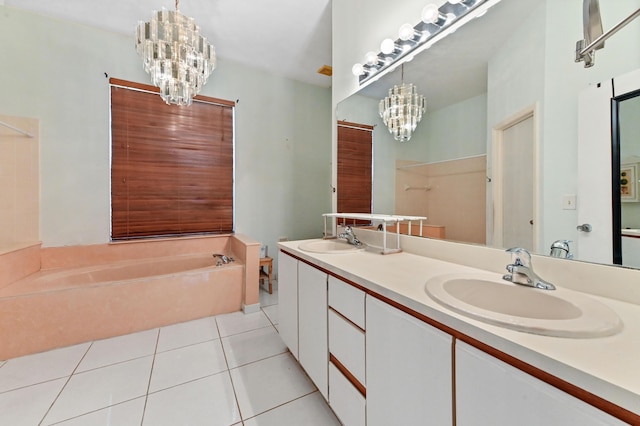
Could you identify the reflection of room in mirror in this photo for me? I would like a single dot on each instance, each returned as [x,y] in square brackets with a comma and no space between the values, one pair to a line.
[629,127]
[456,199]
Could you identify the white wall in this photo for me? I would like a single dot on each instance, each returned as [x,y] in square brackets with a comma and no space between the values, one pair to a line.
[55,71]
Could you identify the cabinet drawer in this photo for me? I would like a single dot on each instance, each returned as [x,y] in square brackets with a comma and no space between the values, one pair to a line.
[346,343]
[347,300]
[345,400]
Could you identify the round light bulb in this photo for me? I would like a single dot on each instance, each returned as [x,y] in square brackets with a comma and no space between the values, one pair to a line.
[430,14]
[357,70]
[406,32]
[387,46]
[371,58]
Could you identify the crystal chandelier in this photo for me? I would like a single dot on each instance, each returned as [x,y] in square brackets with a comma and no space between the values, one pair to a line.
[178,59]
[402,110]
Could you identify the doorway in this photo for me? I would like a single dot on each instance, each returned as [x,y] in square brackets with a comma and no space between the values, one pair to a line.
[514,148]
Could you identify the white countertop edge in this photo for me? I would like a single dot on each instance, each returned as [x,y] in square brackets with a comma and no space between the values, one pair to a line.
[555,355]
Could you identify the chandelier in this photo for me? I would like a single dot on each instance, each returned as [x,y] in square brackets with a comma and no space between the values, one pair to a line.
[178,59]
[402,110]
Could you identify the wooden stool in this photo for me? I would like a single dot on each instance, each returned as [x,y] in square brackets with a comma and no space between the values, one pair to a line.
[268,262]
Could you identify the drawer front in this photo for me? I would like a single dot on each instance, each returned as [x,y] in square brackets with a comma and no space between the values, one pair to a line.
[347,300]
[345,400]
[346,343]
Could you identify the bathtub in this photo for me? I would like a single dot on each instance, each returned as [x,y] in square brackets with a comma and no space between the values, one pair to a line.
[83,302]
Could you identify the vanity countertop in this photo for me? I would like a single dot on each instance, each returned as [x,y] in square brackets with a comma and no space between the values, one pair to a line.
[605,366]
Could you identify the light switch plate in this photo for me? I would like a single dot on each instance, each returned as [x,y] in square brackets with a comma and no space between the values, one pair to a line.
[569,202]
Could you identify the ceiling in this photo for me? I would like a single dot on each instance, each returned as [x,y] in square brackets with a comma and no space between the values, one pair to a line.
[291,38]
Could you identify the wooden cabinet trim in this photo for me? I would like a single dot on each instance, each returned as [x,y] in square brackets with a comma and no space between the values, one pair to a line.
[347,374]
[346,319]
[569,388]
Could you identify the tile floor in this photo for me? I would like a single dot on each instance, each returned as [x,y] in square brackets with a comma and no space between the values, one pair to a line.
[231,369]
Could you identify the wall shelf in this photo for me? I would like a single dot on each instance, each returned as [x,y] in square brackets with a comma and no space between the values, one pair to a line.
[384,219]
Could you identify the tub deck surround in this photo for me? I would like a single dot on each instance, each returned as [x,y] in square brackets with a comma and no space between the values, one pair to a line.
[18,261]
[605,367]
[102,291]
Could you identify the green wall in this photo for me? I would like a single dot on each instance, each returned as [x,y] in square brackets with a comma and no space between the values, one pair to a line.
[55,71]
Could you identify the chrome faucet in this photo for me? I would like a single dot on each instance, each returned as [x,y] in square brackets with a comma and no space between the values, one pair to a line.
[560,248]
[223,259]
[521,271]
[350,237]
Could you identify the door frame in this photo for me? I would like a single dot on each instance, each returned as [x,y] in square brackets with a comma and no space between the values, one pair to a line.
[497,158]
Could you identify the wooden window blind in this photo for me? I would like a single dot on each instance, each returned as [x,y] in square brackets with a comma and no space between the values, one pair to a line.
[171,166]
[355,143]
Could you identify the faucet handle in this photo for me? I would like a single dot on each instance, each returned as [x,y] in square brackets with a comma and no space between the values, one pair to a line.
[520,256]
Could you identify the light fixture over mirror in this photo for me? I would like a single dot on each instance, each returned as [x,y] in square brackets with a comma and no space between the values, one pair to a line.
[436,22]
[178,59]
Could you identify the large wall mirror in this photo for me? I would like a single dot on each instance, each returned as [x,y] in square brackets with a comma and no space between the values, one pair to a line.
[626,180]
[494,161]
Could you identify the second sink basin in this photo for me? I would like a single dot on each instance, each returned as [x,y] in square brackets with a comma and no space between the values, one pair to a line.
[329,246]
[560,312]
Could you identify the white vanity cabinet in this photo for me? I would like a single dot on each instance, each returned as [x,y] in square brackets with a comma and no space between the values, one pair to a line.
[312,325]
[288,301]
[347,350]
[491,392]
[302,311]
[409,374]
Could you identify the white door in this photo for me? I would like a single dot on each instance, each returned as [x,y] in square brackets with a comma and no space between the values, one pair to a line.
[514,182]
[594,174]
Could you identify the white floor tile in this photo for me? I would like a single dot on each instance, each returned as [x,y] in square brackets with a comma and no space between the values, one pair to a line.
[37,368]
[272,313]
[239,322]
[100,388]
[208,401]
[266,384]
[310,410]
[125,414]
[267,299]
[187,333]
[185,364]
[118,349]
[251,346]
[27,406]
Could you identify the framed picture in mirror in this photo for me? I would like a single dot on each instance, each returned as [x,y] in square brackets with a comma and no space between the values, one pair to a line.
[628,187]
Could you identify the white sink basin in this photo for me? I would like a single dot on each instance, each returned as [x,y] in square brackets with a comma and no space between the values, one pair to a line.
[560,312]
[329,246]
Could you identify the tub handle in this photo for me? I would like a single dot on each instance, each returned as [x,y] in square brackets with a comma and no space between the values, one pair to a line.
[224,258]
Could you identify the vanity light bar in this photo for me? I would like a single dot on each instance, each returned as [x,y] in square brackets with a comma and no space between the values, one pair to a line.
[436,23]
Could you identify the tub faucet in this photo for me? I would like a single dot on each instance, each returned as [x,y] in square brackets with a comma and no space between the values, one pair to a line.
[521,271]
[223,258]
[351,238]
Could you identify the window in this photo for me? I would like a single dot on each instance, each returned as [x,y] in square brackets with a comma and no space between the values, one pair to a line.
[354,168]
[171,166]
